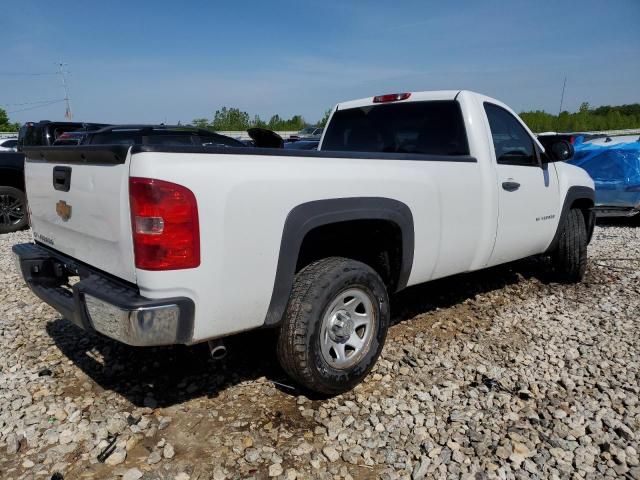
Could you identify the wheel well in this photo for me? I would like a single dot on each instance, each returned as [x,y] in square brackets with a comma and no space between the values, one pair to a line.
[12,178]
[378,243]
[585,205]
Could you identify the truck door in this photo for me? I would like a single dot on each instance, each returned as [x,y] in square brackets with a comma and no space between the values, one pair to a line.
[528,192]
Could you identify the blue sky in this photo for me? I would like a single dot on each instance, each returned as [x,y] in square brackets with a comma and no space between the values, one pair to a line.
[160,61]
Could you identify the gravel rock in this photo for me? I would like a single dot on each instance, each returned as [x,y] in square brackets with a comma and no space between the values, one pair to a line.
[13,444]
[132,474]
[154,457]
[331,453]
[275,470]
[117,457]
[168,451]
[303,449]
[497,374]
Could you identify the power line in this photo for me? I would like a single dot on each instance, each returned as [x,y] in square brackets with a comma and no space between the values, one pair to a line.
[30,103]
[26,74]
[37,106]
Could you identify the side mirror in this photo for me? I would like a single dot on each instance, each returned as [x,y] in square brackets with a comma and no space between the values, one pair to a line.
[560,151]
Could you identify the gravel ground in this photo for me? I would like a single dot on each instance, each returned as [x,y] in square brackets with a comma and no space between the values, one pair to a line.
[496,374]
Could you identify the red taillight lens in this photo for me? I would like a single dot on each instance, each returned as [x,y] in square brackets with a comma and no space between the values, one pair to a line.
[391,97]
[164,219]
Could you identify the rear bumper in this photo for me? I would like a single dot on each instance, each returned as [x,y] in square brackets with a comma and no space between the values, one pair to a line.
[98,302]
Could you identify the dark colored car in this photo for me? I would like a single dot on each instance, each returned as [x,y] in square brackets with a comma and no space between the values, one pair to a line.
[13,202]
[46,132]
[158,135]
[302,145]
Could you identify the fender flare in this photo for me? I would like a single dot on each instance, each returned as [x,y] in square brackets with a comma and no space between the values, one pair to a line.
[307,216]
[574,193]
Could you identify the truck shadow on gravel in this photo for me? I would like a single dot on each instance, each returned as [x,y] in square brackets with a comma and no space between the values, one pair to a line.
[167,376]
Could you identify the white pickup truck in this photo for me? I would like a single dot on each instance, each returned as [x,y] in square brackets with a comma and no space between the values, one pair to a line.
[187,244]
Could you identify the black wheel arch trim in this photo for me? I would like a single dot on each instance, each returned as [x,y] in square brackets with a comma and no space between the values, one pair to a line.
[307,216]
[573,194]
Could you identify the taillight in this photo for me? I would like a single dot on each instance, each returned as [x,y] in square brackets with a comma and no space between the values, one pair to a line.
[391,97]
[164,219]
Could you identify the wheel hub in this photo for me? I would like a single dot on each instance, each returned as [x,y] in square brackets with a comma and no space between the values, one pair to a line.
[341,326]
[348,327]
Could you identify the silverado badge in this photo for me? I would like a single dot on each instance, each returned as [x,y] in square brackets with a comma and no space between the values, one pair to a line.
[63,210]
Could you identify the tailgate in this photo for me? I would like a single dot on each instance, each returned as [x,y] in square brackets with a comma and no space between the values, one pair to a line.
[79,203]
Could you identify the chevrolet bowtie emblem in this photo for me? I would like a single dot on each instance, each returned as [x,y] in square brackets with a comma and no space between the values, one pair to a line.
[63,210]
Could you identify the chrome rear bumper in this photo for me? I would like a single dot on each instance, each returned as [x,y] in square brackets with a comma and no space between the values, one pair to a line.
[102,303]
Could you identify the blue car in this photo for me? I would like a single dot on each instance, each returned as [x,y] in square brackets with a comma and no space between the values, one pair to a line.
[615,169]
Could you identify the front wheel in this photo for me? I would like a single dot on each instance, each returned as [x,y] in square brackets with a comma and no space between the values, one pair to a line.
[570,257]
[335,325]
[13,210]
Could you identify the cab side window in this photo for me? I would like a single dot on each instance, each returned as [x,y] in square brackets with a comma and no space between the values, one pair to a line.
[512,143]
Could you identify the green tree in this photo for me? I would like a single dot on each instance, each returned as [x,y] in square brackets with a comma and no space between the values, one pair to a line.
[230,119]
[200,122]
[606,117]
[325,118]
[5,124]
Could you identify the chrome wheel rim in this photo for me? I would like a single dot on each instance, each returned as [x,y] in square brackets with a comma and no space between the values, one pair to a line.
[11,210]
[348,326]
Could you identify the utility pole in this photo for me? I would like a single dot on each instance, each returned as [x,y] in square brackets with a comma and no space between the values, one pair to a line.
[68,114]
[562,96]
[561,102]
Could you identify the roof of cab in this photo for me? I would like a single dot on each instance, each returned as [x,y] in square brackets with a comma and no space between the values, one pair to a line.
[415,97]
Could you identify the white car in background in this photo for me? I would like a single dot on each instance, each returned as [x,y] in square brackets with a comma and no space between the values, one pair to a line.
[9,144]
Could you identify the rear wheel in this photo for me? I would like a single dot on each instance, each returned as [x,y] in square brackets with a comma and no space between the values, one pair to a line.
[570,257]
[13,209]
[335,325]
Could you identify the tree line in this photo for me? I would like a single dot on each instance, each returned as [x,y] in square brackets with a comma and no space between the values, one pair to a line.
[235,119]
[586,118]
[606,117]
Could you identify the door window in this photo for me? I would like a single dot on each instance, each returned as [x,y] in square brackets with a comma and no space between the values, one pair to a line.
[512,143]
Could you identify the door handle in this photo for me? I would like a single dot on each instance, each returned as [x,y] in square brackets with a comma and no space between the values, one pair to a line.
[510,186]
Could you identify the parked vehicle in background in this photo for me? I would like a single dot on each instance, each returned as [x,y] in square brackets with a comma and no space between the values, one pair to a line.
[615,169]
[46,132]
[568,136]
[308,133]
[13,201]
[180,244]
[158,135]
[9,144]
[609,140]
[302,145]
[70,138]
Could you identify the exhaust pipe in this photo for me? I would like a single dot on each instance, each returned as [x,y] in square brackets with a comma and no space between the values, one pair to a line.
[217,349]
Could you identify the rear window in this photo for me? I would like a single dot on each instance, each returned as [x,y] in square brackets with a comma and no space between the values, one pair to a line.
[432,128]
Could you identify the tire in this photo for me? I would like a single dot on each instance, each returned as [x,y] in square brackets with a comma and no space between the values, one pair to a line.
[570,257]
[329,302]
[13,210]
